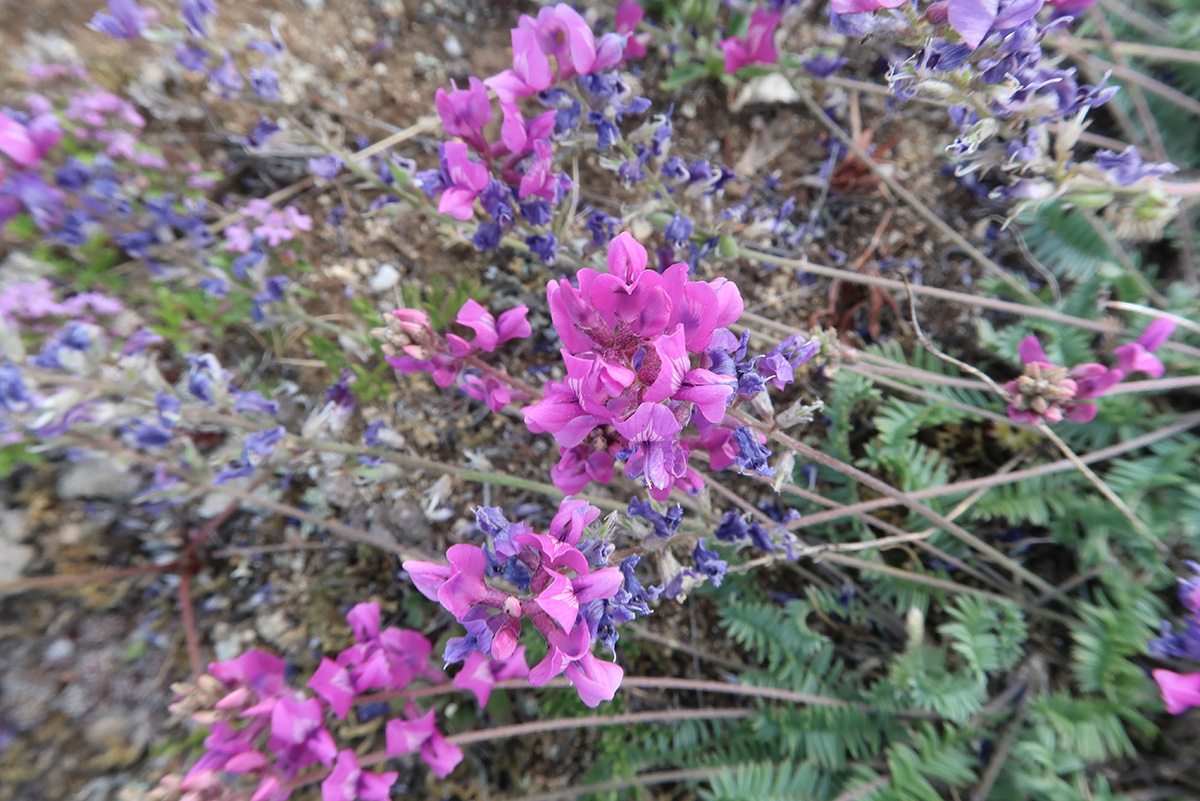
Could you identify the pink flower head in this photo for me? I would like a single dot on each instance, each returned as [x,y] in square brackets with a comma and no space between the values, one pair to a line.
[1137,356]
[1180,692]
[258,670]
[629,15]
[297,730]
[1048,392]
[467,179]
[465,112]
[658,456]
[348,782]
[404,736]
[573,516]
[758,47]
[332,682]
[238,239]
[479,673]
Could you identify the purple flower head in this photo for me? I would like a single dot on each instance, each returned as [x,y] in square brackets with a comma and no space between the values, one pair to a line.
[1127,167]
[265,83]
[679,230]
[752,454]
[1184,645]
[327,166]
[1047,392]
[225,79]
[125,19]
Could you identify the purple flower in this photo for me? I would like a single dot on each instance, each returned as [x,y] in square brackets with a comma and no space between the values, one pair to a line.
[195,12]
[265,83]
[465,179]
[348,782]
[666,525]
[465,112]
[1127,167]
[125,19]
[679,230]
[327,166]
[757,47]
[709,563]
[752,454]
[544,246]
[417,732]
[480,673]
[1138,356]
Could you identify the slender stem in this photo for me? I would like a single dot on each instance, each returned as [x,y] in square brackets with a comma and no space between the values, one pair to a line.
[98,576]
[1178,427]
[1156,385]
[906,500]
[911,199]
[1104,489]
[501,375]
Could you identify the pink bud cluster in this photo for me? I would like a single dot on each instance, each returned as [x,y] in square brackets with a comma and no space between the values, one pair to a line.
[628,341]
[412,346]
[263,728]
[560,582]
[1052,393]
[557,46]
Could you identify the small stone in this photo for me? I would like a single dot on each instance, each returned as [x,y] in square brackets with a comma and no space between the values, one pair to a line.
[109,730]
[385,278]
[98,478]
[454,48]
[58,651]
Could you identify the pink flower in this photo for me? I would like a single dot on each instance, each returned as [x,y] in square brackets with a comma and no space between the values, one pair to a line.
[465,112]
[467,179]
[758,47]
[570,653]
[1048,392]
[490,333]
[1180,692]
[479,673]
[419,733]
[566,36]
[348,782]
[629,14]
[16,143]
[238,239]
[332,682]
[531,69]
[538,179]
[1137,356]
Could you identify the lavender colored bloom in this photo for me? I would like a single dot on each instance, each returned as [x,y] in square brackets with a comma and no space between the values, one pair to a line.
[664,525]
[679,230]
[606,130]
[544,246]
[168,409]
[43,202]
[265,83]
[1184,645]
[253,402]
[195,13]
[822,65]
[147,435]
[709,563]
[566,119]
[1127,166]
[602,226]
[191,57]
[225,79]
[140,340]
[204,371]
[752,455]
[125,20]
[597,552]
[487,236]
[676,169]
[536,212]
[257,448]
[73,175]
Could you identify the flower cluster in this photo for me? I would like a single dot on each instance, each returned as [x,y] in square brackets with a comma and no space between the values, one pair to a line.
[412,346]
[1047,392]
[262,728]
[562,588]
[757,46]
[1181,692]
[629,337]
[987,61]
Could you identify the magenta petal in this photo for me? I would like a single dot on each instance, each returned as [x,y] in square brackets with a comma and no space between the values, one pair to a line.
[626,258]
[572,517]
[427,576]
[594,679]
[1133,358]
[376,786]
[530,64]
[1180,692]
[332,682]
[558,600]
[245,762]
[602,583]
[1081,413]
[342,783]
[1030,351]
[674,357]
[513,325]
[441,756]
[504,641]
[476,677]
[475,317]
[706,389]
[1156,334]
[406,736]
[465,588]
[364,621]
